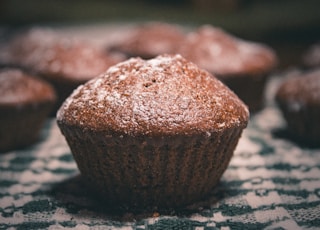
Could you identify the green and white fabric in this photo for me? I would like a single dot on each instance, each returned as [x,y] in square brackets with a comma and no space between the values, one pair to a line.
[271,183]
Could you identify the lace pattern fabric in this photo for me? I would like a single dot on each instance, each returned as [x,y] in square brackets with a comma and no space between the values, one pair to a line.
[271,183]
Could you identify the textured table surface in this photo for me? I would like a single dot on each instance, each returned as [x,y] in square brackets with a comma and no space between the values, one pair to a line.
[271,183]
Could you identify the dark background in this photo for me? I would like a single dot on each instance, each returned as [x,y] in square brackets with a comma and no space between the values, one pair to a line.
[289,26]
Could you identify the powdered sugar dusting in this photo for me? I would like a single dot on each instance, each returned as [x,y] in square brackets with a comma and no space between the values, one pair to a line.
[151,39]
[167,91]
[49,54]
[16,87]
[301,90]
[160,60]
[220,53]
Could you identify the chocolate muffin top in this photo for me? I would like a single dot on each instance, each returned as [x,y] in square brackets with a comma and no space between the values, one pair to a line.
[24,44]
[71,59]
[18,89]
[167,95]
[220,53]
[53,56]
[150,40]
[300,91]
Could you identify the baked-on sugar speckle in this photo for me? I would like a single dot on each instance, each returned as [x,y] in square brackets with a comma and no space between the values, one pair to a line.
[221,53]
[165,94]
[54,56]
[18,88]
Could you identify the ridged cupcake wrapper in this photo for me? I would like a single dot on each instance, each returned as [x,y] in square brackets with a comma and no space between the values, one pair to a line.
[21,126]
[137,172]
[302,124]
[249,88]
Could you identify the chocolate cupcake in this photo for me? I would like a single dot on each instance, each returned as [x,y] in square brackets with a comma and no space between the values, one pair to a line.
[64,62]
[25,103]
[299,100]
[153,133]
[242,65]
[150,40]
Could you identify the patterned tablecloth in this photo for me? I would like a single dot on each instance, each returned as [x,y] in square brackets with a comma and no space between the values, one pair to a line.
[271,183]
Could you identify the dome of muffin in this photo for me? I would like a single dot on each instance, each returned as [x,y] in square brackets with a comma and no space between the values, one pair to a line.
[68,58]
[302,90]
[219,52]
[165,95]
[51,55]
[150,40]
[17,89]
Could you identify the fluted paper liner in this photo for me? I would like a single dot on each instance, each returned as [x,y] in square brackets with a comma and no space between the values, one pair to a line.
[144,171]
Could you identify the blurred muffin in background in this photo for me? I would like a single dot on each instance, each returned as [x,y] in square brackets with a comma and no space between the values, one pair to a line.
[241,65]
[311,58]
[25,103]
[299,100]
[25,48]
[64,62]
[150,39]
